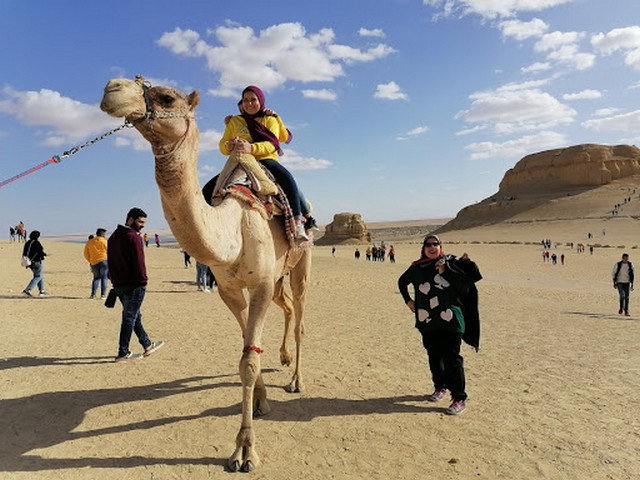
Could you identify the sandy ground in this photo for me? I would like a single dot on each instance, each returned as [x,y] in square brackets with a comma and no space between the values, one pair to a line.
[553,392]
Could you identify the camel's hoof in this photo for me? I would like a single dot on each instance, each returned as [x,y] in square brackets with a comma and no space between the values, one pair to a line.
[234,466]
[258,413]
[248,466]
[293,389]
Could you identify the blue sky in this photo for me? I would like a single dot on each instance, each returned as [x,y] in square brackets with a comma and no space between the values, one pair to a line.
[400,109]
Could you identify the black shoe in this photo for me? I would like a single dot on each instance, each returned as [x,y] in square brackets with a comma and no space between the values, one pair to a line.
[311,225]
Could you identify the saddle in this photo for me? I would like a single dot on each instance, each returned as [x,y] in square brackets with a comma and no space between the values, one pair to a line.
[246,179]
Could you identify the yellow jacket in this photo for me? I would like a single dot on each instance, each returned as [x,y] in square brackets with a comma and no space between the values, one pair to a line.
[95,250]
[237,127]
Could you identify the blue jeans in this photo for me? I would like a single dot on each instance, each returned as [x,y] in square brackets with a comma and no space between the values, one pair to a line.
[100,275]
[202,278]
[623,290]
[38,277]
[131,299]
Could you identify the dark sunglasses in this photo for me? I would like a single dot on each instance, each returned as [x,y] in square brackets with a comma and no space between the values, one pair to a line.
[431,244]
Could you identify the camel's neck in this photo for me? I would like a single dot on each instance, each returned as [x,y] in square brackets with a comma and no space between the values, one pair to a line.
[209,234]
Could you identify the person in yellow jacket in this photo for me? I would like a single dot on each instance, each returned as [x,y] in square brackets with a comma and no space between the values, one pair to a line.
[95,252]
[259,134]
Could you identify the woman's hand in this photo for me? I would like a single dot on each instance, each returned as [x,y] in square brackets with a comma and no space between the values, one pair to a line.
[412,306]
[238,145]
[440,265]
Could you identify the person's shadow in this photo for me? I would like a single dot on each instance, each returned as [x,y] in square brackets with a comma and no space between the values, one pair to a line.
[47,419]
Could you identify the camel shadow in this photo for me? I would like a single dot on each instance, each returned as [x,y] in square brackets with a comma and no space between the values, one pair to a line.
[47,419]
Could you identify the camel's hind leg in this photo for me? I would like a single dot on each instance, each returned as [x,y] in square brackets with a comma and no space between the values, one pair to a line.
[284,301]
[300,278]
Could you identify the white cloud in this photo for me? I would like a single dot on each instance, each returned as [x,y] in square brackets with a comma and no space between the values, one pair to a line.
[605,112]
[563,47]
[517,107]
[273,56]
[209,140]
[322,94]
[376,32]
[625,39]
[583,95]
[134,141]
[68,120]
[518,147]
[390,91]
[469,131]
[625,122]
[492,8]
[351,54]
[536,67]
[296,162]
[520,30]
[414,132]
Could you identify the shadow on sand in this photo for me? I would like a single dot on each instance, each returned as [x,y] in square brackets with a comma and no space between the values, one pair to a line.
[47,419]
[604,316]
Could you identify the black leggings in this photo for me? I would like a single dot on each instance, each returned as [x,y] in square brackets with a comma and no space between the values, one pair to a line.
[445,362]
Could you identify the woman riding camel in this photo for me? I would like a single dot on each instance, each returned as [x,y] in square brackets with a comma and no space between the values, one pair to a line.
[257,133]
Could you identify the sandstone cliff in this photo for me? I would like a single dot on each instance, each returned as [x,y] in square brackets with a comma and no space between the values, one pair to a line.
[345,228]
[578,166]
[550,176]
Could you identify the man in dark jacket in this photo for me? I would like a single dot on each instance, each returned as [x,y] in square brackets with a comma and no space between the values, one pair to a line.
[128,273]
[623,281]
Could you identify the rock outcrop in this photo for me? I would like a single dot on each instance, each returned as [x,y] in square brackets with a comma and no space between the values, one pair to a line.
[586,165]
[345,228]
[542,177]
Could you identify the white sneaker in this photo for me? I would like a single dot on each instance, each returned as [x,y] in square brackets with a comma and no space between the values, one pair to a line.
[300,234]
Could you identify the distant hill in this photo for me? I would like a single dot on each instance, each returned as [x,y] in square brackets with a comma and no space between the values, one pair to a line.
[585,181]
[588,186]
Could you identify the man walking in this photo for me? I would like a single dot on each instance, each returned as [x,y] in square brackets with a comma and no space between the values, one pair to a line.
[128,273]
[623,280]
[95,252]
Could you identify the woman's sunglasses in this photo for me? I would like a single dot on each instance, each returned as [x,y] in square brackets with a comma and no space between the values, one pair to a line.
[431,244]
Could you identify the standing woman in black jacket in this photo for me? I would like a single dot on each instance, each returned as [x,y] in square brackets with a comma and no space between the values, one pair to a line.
[33,249]
[439,284]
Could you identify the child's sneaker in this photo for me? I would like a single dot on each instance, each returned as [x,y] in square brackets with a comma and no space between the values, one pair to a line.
[26,293]
[437,395]
[456,408]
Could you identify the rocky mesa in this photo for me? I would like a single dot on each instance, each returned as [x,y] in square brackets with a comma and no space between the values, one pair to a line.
[544,177]
[346,228]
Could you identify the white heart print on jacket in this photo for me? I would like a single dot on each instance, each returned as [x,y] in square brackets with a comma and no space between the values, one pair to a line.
[447,315]
[425,287]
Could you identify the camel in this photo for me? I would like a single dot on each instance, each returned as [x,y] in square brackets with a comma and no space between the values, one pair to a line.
[248,255]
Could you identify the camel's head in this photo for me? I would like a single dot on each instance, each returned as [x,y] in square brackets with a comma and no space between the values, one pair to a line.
[150,109]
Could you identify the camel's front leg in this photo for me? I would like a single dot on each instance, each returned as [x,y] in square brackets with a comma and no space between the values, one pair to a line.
[244,457]
[254,393]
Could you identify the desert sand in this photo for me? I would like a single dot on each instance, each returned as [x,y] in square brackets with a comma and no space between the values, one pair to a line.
[553,391]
